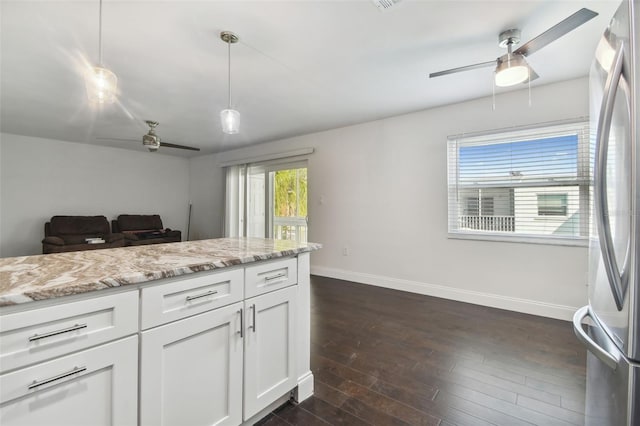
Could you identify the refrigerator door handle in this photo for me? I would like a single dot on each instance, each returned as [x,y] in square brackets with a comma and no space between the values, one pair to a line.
[618,281]
[586,340]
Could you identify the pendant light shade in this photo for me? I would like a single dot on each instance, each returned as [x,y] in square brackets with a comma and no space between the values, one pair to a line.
[101,83]
[229,118]
[511,71]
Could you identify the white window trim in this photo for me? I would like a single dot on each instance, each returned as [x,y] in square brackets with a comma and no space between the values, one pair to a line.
[514,134]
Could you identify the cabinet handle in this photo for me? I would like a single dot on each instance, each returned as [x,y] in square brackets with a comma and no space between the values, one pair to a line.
[208,293]
[75,370]
[55,333]
[276,276]
[241,312]
[253,310]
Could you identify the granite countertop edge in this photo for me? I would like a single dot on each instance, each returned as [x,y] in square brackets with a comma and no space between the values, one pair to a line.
[25,279]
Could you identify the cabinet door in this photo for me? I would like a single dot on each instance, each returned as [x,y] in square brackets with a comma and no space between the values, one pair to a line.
[97,386]
[269,348]
[191,371]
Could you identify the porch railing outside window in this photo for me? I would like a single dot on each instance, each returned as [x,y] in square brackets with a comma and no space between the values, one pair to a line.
[488,223]
[290,228]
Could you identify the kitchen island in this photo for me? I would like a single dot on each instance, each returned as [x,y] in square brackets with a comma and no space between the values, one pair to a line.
[203,332]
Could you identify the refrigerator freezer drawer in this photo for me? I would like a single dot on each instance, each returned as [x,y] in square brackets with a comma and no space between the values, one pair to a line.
[612,395]
[613,392]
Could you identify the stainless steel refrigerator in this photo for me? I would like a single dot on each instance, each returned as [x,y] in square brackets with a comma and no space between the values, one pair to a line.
[612,328]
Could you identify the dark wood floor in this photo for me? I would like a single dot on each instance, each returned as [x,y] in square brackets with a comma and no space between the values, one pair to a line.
[384,357]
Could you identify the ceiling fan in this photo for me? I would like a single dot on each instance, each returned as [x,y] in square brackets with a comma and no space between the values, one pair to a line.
[152,141]
[512,68]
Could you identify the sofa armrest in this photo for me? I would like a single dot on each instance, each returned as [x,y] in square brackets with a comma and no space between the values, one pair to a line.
[56,241]
[172,233]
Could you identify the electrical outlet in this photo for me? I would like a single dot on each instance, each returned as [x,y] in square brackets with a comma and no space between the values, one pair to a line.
[345,251]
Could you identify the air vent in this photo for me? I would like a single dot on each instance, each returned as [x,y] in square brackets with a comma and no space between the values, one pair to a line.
[385,4]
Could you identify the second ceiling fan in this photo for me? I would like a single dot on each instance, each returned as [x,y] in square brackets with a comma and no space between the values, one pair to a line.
[152,141]
[512,68]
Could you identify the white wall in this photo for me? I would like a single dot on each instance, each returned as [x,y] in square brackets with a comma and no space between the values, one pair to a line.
[40,178]
[380,189]
[206,194]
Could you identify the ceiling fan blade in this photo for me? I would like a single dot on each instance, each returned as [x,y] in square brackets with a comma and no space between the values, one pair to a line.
[465,68]
[118,139]
[173,145]
[532,75]
[561,28]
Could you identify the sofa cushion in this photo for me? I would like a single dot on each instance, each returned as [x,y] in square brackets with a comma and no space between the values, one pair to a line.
[79,225]
[139,222]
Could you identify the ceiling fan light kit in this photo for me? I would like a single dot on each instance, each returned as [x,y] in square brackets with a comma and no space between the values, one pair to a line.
[151,140]
[512,68]
[101,83]
[511,71]
[229,118]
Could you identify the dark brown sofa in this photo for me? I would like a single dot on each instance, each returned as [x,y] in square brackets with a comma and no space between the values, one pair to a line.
[70,233]
[141,229]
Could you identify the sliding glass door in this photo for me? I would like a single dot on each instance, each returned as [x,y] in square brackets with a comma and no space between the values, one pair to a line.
[271,201]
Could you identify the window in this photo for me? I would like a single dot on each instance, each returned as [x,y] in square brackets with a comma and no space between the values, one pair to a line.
[552,204]
[530,184]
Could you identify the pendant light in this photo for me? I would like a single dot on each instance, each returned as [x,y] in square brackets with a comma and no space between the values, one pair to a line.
[101,83]
[230,118]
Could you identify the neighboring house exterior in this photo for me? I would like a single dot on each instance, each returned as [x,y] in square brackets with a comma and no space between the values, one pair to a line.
[546,210]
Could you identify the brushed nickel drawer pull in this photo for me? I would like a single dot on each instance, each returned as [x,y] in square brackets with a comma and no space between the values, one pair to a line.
[208,293]
[55,333]
[75,370]
[273,277]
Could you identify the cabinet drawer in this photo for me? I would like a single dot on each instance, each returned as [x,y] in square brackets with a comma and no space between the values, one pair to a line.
[39,334]
[173,301]
[96,386]
[270,276]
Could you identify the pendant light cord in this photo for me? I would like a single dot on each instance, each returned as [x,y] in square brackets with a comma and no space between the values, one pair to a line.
[229,71]
[100,36]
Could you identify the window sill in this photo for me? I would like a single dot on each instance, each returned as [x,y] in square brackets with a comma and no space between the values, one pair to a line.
[526,239]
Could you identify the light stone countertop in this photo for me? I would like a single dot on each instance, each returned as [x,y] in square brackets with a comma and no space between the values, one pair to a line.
[30,278]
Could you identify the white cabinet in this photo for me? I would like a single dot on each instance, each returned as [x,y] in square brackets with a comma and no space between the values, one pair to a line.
[36,335]
[270,276]
[189,296]
[95,387]
[191,370]
[63,365]
[214,348]
[270,357]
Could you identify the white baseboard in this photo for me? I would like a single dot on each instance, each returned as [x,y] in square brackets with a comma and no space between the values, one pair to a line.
[526,306]
[305,387]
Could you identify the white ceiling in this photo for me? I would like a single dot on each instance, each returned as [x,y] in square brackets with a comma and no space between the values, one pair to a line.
[300,66]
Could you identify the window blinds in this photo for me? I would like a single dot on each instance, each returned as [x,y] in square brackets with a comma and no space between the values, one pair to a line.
[532,183]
